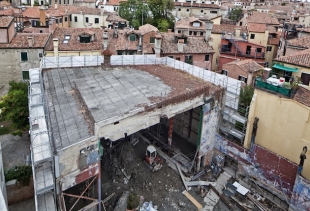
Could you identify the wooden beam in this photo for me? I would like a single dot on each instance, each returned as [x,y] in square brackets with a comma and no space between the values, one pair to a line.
[192,199]
[79,197]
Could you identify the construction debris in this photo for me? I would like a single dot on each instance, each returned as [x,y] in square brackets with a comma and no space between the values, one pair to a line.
[192,199]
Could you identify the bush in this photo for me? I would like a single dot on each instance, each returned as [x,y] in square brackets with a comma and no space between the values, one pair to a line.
[17,133]
[21,174]
[4,130]
[133,201]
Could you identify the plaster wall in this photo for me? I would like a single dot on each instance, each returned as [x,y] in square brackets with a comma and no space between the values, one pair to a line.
[260,38]
[3,35]
[73,53]
[11,65]
[283,128]
[235,71]
[81,21]
[216,45]
[114,128]
[193,11]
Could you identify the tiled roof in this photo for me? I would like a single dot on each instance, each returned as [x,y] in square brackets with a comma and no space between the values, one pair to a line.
[303,42]
[185,23]
[115,17]
[247,65]
[307,29]
[113,2]
[146,28]
[74,44]
[121,42]
[5,21]
[300,58]
[193,45]
[262,17]
[21,40]
[185,4]
[7,12]
[302,96]
[227,28]
[34,12]
[256,27]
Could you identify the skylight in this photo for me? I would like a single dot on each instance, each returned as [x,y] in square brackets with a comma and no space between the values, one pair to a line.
[67,38]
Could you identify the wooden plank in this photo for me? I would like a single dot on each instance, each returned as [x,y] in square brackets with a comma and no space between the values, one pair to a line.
[192,199]
[181,174]
[195,183]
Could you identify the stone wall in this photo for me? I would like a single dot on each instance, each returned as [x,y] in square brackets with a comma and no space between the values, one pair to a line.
[18,193]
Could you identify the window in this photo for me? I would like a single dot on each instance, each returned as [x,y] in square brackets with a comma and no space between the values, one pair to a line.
[252,36]
[248,50]
[179,9]
[305,78]
[75,18]
[201,11]
[190,32]
[152,39]
[189,59]
[242,78]
[269,48]
[85,39]
[170,57]
[225,72]
[207,58]
[240,24]
[24,56]
[213,12]
[201,33]
[179,31]
[187,10]
[195,33]
[60,20]
[258,50]
[66,40]
[96,20]
[59,1]
[25,74]
[41,31]
[86,19]
[56,20]
[66,19]
[132,37]
[40,55]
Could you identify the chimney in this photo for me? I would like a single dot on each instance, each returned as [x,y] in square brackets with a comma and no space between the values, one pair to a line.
[56,6]
[237,32]
[180,45]
[208,25]
[55,43]
[157,46]
[42,16]
[30,42]
[51,26]
[105,39]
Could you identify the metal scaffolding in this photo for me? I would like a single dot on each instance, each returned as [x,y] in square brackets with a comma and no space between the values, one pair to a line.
[41,153]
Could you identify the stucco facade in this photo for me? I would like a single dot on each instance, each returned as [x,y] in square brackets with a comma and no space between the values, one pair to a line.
[283,127]
[79,20]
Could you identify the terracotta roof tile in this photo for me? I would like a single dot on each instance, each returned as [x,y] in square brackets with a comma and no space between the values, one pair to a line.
[307,29]
[5,21]
[185,4]
[115,17]
[302,96]
[121,42]
[21,40]
[227,28]
[256,27]
[113,2]
[262,17]
[186,23]
[193,45]
[301,58]
[7,12]
[247,65]
[74,44]
[146,28]
[303,42]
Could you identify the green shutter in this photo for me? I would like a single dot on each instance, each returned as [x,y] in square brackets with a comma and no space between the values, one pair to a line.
[24,56]
[25,75]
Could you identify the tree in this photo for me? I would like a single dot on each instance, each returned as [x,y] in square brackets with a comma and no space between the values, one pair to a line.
[14,105]
[235,14]
[246,94]
[135,11]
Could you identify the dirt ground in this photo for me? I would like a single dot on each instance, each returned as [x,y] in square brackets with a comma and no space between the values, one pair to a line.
[164,187]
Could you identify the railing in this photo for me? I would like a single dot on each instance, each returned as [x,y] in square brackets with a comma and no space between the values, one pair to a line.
[278,89]
[250,54]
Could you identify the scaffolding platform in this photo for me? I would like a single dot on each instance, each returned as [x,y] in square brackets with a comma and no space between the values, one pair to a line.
[46,202]
[44,178]
[41,148]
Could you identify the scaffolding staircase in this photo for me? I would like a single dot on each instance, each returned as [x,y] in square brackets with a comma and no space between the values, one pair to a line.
[41,153]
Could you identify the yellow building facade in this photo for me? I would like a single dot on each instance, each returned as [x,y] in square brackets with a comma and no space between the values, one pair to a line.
[284,126]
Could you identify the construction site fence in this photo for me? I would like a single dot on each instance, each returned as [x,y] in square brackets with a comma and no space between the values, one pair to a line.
[233,86]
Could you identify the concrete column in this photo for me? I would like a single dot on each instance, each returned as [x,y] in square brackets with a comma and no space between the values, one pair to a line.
[170,131]
[204,160]
[198,164]
[157,46]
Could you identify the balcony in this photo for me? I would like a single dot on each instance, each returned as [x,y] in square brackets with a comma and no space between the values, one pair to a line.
[284,90]
[249,54]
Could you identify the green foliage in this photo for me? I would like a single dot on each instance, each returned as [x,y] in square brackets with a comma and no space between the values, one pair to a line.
[246,94]
[133,201]
[235,14]
[154,12]
[283,4]
[4,130]
[21,174]
[15,104]
[36,3]
[17,133]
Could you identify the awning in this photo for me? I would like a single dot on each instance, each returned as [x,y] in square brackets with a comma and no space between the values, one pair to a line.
[282,67]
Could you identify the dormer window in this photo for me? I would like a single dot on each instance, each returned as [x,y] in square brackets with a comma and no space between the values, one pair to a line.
[86,38]
[132,37]
[196,24]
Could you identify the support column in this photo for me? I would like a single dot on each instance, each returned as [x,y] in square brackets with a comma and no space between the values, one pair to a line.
[170,131]
[198,164]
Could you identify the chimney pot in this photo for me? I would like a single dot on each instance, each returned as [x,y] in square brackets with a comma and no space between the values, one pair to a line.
[30,42]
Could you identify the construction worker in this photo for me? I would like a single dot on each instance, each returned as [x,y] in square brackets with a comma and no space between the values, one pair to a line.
[302,159]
